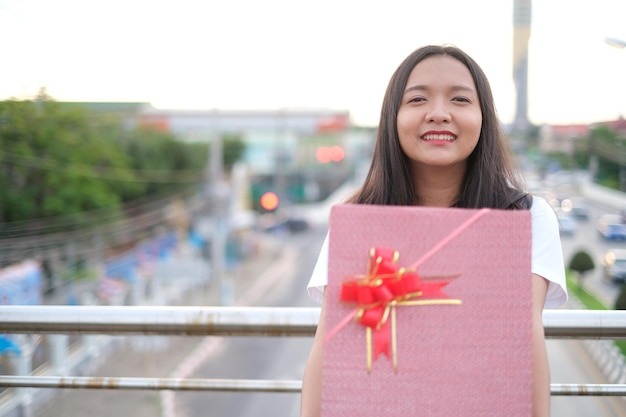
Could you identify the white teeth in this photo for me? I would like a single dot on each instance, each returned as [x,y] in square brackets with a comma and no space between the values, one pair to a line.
[438,137]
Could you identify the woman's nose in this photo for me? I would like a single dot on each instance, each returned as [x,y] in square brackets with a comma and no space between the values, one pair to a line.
[438,113]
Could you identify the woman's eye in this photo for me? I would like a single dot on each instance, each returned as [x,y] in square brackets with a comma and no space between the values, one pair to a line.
[461,99]
[416,99]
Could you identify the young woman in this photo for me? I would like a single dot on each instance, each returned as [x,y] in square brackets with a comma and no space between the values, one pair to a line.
[440,144]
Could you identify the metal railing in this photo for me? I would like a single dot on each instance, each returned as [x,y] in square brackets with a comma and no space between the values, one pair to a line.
[244,321]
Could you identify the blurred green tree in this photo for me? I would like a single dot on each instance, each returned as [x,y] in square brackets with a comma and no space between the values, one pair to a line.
[581,263]
[51,161]
[609,149]
[620,302]
[58,159]
[234,148]
[162,161]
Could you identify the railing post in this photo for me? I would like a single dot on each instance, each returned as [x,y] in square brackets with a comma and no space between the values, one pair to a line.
[136,289]
[58,353]
[23,366]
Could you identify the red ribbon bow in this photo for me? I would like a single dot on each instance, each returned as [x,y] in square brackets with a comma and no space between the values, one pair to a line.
[384,287]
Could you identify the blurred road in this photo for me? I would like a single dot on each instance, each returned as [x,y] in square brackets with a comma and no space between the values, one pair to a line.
[261,358]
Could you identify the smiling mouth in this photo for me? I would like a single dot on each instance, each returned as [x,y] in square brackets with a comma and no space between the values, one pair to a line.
[439,137]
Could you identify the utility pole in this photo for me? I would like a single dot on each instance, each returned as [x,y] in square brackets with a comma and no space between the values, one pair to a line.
[219,196]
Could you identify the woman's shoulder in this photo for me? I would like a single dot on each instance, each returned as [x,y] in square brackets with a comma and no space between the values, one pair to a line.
[542,213]
[540,205]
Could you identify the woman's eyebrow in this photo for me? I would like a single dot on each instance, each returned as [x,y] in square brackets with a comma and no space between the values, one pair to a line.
[415,88]
[457,87]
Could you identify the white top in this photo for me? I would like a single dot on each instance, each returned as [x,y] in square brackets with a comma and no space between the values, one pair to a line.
[547,256]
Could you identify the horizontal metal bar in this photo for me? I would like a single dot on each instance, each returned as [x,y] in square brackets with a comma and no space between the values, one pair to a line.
[587,390]
[237,385]
[174,384]
[249,321]
[193,321]
[585,324]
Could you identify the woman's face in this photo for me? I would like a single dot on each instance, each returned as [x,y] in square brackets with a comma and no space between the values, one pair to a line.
[439,119]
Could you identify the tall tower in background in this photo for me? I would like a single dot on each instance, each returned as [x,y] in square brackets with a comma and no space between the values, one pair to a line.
[521,36]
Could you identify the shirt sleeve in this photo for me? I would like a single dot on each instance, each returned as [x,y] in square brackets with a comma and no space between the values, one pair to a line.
[547,253]
[319,277]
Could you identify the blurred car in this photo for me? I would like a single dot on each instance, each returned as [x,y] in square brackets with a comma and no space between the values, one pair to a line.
[614,232]
[567,225]
[614,265]
[576,207]
[291,225]
[610,227]
[296,224]
[581,212]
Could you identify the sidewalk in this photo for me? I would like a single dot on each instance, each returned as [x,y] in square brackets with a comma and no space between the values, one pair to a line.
[156,356]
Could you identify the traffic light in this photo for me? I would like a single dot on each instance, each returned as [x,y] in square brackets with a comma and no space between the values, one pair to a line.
[269,201]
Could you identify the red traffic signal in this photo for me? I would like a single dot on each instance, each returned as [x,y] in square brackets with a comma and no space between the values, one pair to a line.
[269,201]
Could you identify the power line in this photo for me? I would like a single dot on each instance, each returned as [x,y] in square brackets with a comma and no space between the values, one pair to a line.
[92,218]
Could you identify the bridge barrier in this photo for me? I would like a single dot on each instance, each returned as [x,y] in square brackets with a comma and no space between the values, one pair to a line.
[244,321]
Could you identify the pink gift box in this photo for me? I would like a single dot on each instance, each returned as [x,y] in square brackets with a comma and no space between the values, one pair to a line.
[467,359]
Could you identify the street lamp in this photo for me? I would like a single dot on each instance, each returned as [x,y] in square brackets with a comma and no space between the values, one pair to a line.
[615,42]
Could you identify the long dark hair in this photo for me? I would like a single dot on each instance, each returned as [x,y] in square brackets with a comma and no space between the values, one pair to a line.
[490,179]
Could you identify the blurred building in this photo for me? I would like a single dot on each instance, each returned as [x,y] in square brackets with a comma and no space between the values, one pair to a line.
[275,139]
[282,147]
[521,35]
[562,138]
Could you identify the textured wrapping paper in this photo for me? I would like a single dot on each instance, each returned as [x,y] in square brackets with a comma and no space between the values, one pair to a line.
[467,359]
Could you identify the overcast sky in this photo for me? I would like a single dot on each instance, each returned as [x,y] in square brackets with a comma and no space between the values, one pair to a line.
[275,54]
